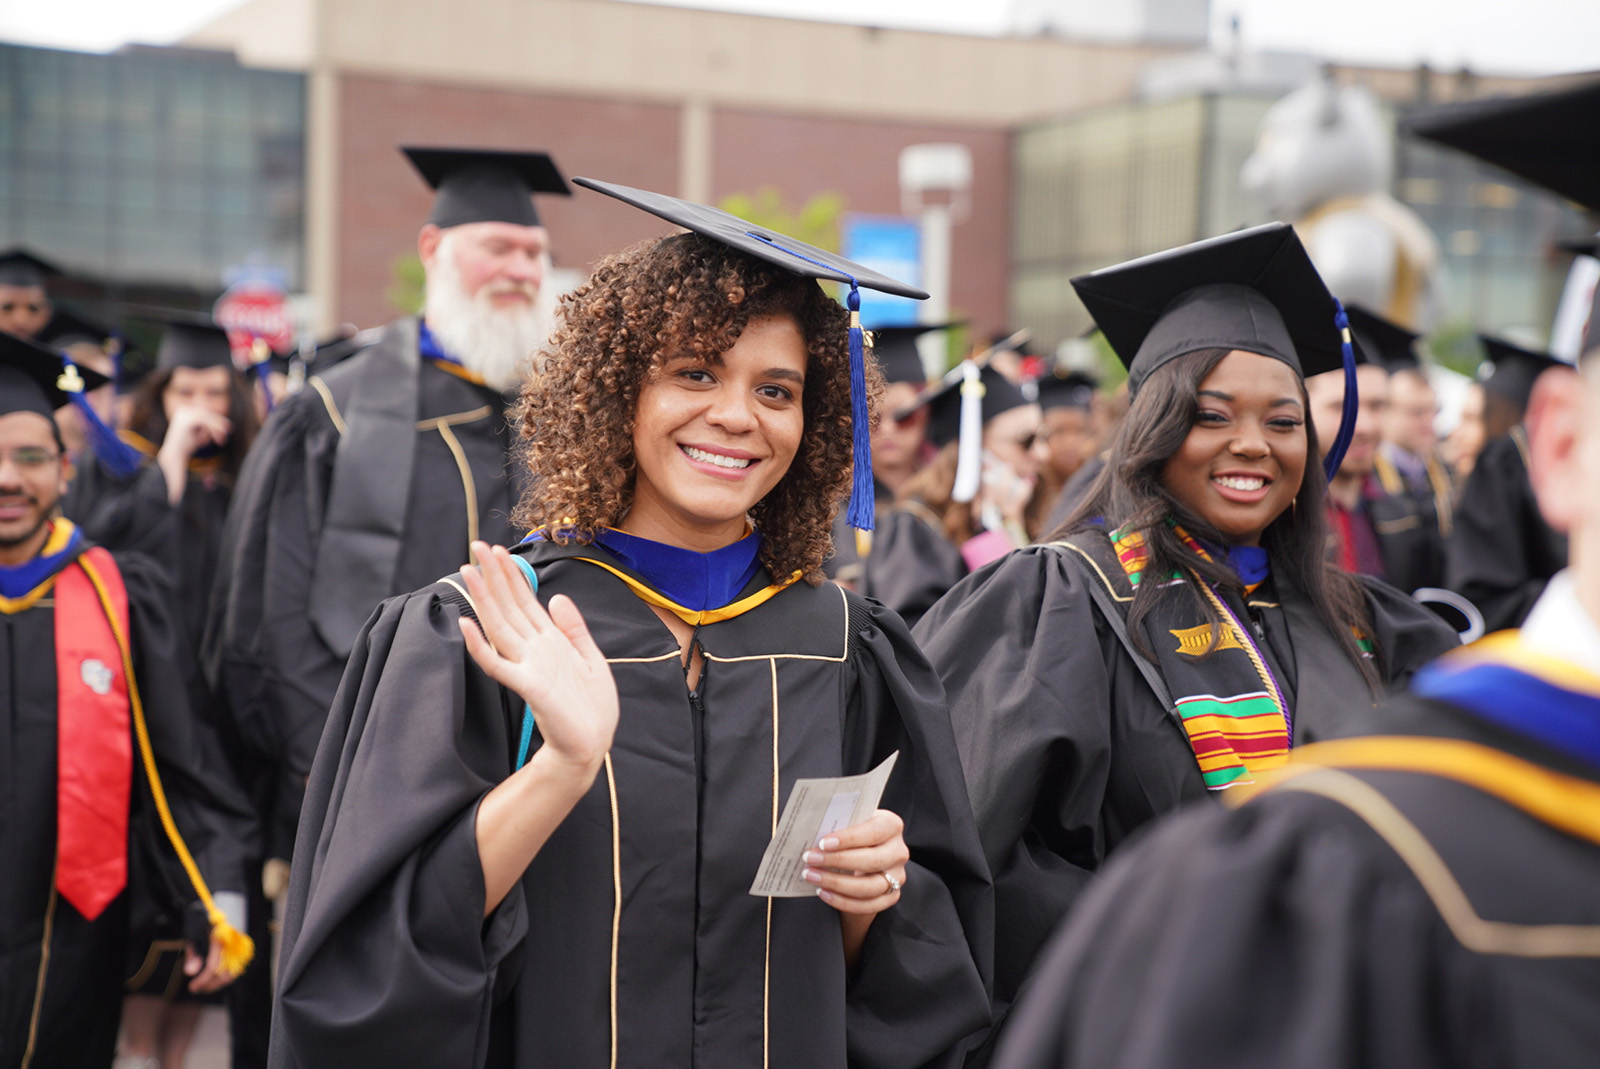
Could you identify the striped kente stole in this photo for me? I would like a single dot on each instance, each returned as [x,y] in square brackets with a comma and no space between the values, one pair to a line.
[1231,707]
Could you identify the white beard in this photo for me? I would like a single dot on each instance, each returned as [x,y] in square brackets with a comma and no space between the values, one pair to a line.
[497,344]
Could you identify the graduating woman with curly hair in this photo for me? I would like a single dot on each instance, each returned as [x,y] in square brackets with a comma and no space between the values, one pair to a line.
[532,828]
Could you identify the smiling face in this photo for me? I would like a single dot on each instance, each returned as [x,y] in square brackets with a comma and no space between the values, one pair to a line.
[32,480]
[207,387]
[1242,462]
[711,439]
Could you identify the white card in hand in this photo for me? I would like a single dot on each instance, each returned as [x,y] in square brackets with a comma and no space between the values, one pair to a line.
[816,807]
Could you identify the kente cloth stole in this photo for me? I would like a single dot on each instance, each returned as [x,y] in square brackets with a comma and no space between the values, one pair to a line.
[94,748]
[1231,707]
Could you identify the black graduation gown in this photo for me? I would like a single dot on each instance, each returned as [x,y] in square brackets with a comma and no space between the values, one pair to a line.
[1288,933]
[82,998]
[1502,553]
[912,563]
[123,513]
[277,671]
[1068,751]
[1408,541]
[387,959]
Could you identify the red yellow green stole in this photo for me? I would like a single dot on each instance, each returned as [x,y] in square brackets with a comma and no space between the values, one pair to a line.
[1232,709]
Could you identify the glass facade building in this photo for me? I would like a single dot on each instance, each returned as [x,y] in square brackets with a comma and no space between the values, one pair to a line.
[1096,188]
[152,170]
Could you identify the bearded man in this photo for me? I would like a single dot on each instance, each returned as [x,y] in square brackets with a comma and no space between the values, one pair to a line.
[373,480]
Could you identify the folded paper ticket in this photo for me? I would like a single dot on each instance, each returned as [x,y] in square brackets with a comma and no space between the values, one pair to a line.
[816,808]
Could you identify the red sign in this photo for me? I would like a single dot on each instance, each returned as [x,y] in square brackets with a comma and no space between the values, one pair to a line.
[252,310]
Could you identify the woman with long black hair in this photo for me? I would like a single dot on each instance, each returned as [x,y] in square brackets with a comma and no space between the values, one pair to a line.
[1184,629]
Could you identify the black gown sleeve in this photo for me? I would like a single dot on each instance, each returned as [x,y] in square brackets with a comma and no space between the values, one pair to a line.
[911,565]
[260,653]
[385,921]
[922,983]
[125,515]
[1409,634]
[208,805]
[1501,553]
[1016,647]
[1284,933]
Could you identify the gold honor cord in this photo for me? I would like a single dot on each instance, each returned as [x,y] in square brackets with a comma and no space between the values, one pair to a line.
[237,948]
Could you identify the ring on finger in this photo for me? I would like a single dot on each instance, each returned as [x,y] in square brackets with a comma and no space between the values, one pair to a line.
[894,884]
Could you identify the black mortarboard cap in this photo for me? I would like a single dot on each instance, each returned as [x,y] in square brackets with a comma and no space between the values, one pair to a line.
[33,377]
[1254,290]
[758,241]
[895,349]
[1382,341]
[190,340]
[943,401]
[1549,139]
[485,185]
[19,267]
[1512,369]
[1066,389]
[67,327]
[809,261]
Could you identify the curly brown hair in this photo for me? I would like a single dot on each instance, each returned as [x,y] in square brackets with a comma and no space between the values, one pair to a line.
[682,295]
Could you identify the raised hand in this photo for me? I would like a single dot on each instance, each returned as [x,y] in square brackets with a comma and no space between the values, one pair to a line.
[546,657]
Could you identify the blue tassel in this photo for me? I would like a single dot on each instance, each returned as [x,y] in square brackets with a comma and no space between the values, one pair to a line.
[119,458]
[862,505]
[1352,402]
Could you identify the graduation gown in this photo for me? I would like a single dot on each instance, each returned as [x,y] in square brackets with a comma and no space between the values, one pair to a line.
[123,513]
[1288,932]
[912,563]
[387,958]
[1068,750]
[270,649]
[1502,553]
[74,1019]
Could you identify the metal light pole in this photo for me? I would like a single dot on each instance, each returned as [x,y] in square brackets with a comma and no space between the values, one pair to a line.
[935,184]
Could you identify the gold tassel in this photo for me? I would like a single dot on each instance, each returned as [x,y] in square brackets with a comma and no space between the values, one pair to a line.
[237,948]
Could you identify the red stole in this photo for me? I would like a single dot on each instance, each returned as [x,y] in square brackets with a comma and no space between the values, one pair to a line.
[94,747]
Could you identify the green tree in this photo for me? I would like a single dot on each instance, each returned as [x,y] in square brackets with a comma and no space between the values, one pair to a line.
[816,223]
[407,284]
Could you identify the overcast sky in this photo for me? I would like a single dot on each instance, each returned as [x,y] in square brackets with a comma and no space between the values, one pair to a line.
[1491,36]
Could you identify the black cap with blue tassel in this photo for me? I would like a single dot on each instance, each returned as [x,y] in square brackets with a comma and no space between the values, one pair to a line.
[1254,290]
[812,262]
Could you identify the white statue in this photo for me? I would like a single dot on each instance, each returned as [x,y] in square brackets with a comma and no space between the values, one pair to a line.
[1324,161]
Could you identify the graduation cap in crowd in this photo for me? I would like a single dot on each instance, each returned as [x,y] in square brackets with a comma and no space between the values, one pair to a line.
[802,259]
[959,405]
[1382,341]
[189,340]
[895,349]
[1254,290]
[19,267]
[33,377]
[1548,139]
[1066,388]
[485,185]
[1511,369]
[65,331]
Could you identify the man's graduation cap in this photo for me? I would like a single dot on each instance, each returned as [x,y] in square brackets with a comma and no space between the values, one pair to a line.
[67,329]
[1511,369]
[969,396]
[1548,139]
[33,377]
[1255,290]
[19,267]
[485,185]
[802,259]
[1383,341]
[895,349]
